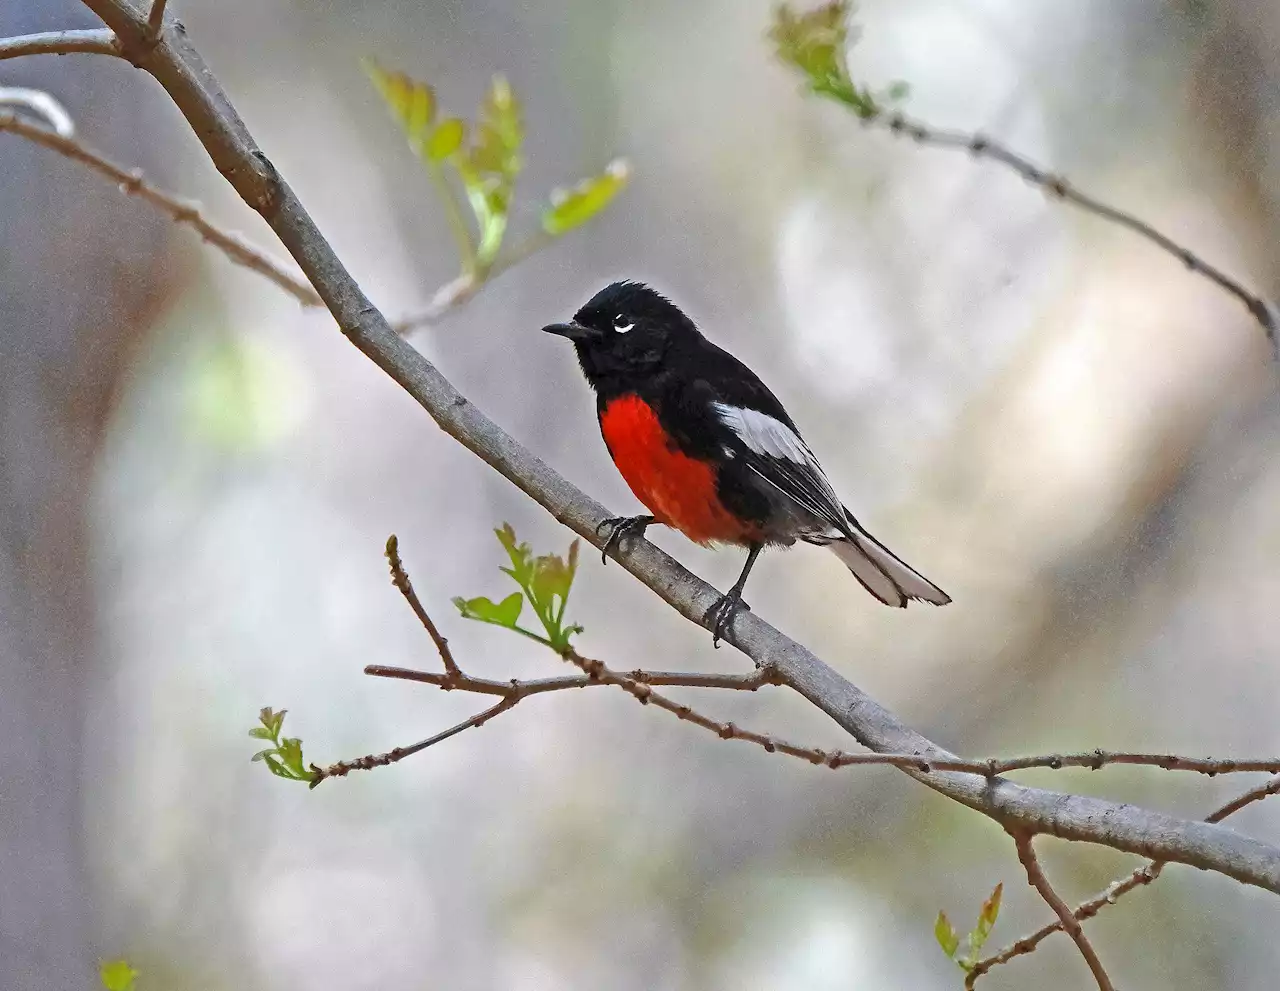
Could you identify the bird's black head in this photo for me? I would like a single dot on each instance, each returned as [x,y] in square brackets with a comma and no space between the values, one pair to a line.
[625,329]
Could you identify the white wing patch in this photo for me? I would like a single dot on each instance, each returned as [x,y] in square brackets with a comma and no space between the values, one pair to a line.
[795,473]
[764,434]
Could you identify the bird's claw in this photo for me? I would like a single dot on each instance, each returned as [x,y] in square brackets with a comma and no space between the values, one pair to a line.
[621,527]
[722,613]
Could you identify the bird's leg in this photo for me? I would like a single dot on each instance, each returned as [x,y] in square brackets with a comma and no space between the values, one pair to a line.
[722,612]
[622,527]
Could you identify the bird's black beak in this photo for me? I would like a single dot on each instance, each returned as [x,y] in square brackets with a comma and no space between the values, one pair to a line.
[573,331]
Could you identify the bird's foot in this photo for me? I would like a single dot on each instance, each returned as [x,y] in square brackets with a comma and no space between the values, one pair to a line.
[622,528]
[722,614]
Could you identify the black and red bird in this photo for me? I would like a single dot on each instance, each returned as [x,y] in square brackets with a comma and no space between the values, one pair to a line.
[710,451]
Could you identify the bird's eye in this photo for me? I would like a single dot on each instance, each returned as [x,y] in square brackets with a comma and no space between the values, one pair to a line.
[622,324]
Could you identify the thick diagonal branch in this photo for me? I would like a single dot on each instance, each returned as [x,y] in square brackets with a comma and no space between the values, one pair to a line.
[180,70]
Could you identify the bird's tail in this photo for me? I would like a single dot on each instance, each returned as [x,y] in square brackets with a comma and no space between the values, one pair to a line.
[887,577]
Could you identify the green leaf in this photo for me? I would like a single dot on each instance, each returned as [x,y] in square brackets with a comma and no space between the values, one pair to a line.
[552,575]
[261,733]
[117,975]
[505,613]
[574,207]
[446,139]
[945,933]
[814,42]
[291,756]
[275,721]
[413,103]
[499,135]
[520,554]
[986,920]
[262,755]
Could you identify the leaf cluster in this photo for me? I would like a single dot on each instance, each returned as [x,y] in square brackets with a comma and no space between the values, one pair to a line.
[544,582]
[484,157]
[284,757]
[945,933]
[817,43]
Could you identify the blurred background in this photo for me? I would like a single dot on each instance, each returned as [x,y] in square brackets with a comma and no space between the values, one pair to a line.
[1061,426]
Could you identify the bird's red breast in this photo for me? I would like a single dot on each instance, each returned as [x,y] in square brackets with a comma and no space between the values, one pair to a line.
[677,489]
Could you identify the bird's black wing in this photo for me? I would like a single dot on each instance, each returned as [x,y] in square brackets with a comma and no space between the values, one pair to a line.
[756,433]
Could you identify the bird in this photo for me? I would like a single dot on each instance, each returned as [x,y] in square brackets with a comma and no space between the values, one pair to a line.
[710,451]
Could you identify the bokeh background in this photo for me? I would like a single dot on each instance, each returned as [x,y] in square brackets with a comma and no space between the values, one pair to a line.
[1070,433]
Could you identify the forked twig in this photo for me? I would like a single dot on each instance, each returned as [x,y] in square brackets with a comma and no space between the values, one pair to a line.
[1037,879]
[1141,877]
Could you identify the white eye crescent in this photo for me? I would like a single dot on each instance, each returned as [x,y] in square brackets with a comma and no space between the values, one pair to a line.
[621,324]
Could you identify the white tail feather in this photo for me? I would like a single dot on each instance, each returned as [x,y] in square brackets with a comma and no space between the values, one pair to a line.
[885,576]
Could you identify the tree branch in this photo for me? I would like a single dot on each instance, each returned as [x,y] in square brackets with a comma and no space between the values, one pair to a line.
[344,767]
[1098,759]
[131,181]
[639,684]
[400,578]
[1141,877]
[539,686]
[1057,186]
[94,42]
[1036,878]
[194,89]
[834,759]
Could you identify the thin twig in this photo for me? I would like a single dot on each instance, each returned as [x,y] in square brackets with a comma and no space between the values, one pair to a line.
[1257,794]
[1097,759]
[343,767]
[828,758]
[155,21]
[538,686]
[131,181]
[94,42]
[400,578]
[1037,879]
[1141,877]
[981,146]
[42,104]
